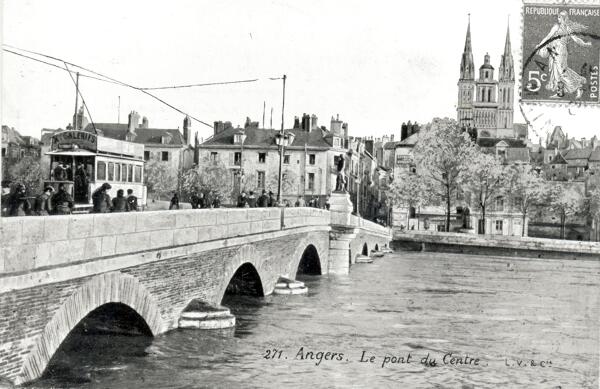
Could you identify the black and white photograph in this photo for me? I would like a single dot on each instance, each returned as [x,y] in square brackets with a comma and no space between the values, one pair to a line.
[275,193]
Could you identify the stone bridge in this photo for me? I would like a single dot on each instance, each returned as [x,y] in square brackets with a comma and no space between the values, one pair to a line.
[55,271]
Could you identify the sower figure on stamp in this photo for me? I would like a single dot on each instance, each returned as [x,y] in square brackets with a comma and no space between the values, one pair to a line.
[340,182]
[554,47]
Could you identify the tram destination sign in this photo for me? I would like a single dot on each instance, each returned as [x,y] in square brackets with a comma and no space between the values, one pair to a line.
[70,139]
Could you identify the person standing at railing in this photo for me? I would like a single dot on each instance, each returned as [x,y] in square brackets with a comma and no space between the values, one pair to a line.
[43,203]
[62,202]
[251,200]
[132,201]
[18,204]
[174,202]
[101,199]
[119,203]
[263,200]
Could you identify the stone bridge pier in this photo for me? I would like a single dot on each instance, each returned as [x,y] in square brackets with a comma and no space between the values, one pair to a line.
[58,271]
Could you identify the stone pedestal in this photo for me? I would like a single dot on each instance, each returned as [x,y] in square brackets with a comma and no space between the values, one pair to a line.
[341,208]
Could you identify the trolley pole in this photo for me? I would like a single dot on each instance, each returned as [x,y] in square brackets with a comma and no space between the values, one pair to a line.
[76,102]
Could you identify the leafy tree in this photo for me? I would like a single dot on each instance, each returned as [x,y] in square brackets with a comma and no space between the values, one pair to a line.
[409,190]
[527,188]
[161,178]
[441,155]
[27,171]
[209,176]
[565,202]
[485,177]
[289,183]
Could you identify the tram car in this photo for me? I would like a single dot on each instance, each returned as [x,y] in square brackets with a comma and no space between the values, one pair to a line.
[83,161]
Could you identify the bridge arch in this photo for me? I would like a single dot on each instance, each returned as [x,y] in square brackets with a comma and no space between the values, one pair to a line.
[310,262]
[308,255]
[250,261]
[114,287]
[245,280]
[365,249]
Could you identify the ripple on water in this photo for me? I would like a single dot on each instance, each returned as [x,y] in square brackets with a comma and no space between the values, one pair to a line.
[407,302]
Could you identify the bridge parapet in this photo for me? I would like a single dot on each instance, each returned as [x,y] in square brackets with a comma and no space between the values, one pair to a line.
[30,243]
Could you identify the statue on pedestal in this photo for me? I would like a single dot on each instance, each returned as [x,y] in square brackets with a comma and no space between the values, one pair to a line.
[340,182]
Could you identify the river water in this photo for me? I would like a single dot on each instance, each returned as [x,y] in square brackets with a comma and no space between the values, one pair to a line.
[503,313]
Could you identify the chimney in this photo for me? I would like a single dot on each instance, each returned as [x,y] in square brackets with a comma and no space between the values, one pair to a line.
[144,122]
[392,138]
[305,122]
[187,130]
[133,122]
[296,123]
[336,126]
[313,122]
[403,131]
[219,127]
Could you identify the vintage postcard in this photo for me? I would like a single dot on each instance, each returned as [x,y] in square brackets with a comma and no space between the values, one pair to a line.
[358,194]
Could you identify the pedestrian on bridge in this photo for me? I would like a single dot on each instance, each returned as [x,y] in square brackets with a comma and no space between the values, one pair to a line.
[62,202]
[263,200]
[174,202]
[119,203]
[43,203]
[101,199]
[132,201]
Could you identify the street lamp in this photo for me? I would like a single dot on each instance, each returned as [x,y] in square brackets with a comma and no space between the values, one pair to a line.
[283,139]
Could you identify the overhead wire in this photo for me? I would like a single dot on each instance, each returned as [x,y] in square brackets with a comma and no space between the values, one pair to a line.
[108,79]
[82,100]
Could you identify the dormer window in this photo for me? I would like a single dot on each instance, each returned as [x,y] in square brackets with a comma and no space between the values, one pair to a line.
[239,137]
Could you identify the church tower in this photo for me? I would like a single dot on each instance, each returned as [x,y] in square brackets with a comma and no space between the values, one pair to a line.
[466,84]
[485,106]
[506,89]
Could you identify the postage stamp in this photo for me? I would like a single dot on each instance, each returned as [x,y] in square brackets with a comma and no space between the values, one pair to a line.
[561,53]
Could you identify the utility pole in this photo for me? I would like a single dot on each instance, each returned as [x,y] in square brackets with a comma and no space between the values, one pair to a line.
[264,107]
[119,111]
[271,124]
[76,102]
[282,144]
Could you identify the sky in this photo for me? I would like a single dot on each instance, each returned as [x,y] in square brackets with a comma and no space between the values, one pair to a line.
[375,63]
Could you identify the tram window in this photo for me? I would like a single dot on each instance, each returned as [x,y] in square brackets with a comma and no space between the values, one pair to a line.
[111,171]
[129,173]
[138,174]
[117,172]
[123,172]
[101,171]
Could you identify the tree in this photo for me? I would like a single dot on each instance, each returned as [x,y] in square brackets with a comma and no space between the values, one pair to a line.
[565,202]
[27,171]
[289,183]
[209,176]
[485,177]
[161,178]
[527,187]
[409,190]
[441,155]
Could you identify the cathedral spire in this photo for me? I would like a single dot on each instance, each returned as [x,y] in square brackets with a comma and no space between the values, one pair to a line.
[467,67]
[507,71]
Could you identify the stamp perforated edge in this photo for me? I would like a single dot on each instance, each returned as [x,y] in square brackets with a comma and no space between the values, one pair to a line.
[521,50]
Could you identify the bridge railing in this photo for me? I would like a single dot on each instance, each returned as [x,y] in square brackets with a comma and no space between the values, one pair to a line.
[28,243]
[516,242]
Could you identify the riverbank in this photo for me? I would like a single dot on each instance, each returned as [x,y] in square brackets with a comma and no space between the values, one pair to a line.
[509,246]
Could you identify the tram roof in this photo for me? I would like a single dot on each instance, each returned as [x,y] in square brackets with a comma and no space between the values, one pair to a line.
[76,153]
